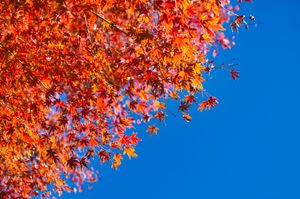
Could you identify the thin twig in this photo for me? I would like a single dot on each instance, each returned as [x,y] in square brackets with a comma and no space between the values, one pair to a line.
[109,22]
[87,27]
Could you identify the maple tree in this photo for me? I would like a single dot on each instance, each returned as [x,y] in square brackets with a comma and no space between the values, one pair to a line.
[76,76]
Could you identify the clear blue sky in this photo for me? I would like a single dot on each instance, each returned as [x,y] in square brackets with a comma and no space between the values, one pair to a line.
[248,146]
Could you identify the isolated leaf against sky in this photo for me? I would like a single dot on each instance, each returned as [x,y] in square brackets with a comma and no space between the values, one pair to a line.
[234,74]
[152,130]
[129,151]
[187,117]
[117,160]
[77,76]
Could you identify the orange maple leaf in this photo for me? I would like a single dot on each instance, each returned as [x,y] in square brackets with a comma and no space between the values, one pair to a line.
[117,160]
[129,151]
[152,130]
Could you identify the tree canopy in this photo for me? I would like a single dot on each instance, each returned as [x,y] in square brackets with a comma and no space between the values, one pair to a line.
[77,76]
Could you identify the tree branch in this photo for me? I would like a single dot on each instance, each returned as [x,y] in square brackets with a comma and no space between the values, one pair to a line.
[109,22]
[23,65]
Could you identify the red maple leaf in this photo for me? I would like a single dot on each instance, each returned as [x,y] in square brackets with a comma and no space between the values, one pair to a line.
[234,74]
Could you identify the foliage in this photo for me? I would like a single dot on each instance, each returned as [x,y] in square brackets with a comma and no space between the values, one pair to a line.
[76,76]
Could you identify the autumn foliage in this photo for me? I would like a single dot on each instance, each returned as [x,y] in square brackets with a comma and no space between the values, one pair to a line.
[77,76]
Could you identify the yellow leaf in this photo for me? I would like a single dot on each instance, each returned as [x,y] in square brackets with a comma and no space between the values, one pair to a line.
[197,82]
[129,151]
[117,160]
[198,69]
[158,105]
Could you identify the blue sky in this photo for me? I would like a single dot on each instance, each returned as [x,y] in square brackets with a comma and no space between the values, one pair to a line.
[248,146]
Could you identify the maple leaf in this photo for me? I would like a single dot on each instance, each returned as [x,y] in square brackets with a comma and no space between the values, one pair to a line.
[73,162]
[160,116]
[184,106]
[187,117]
[101,104]
[52,155]
[117,160]
[104,156]
[152,130]
[158,105]
[210,103]
[83,162]
[90,153]
[83,142]
[189,99]
[174,95]
[126,122]
[133,104]
[234,74]
[141,107]
[239,20]
[129,151]
[134,139]
[93,142]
